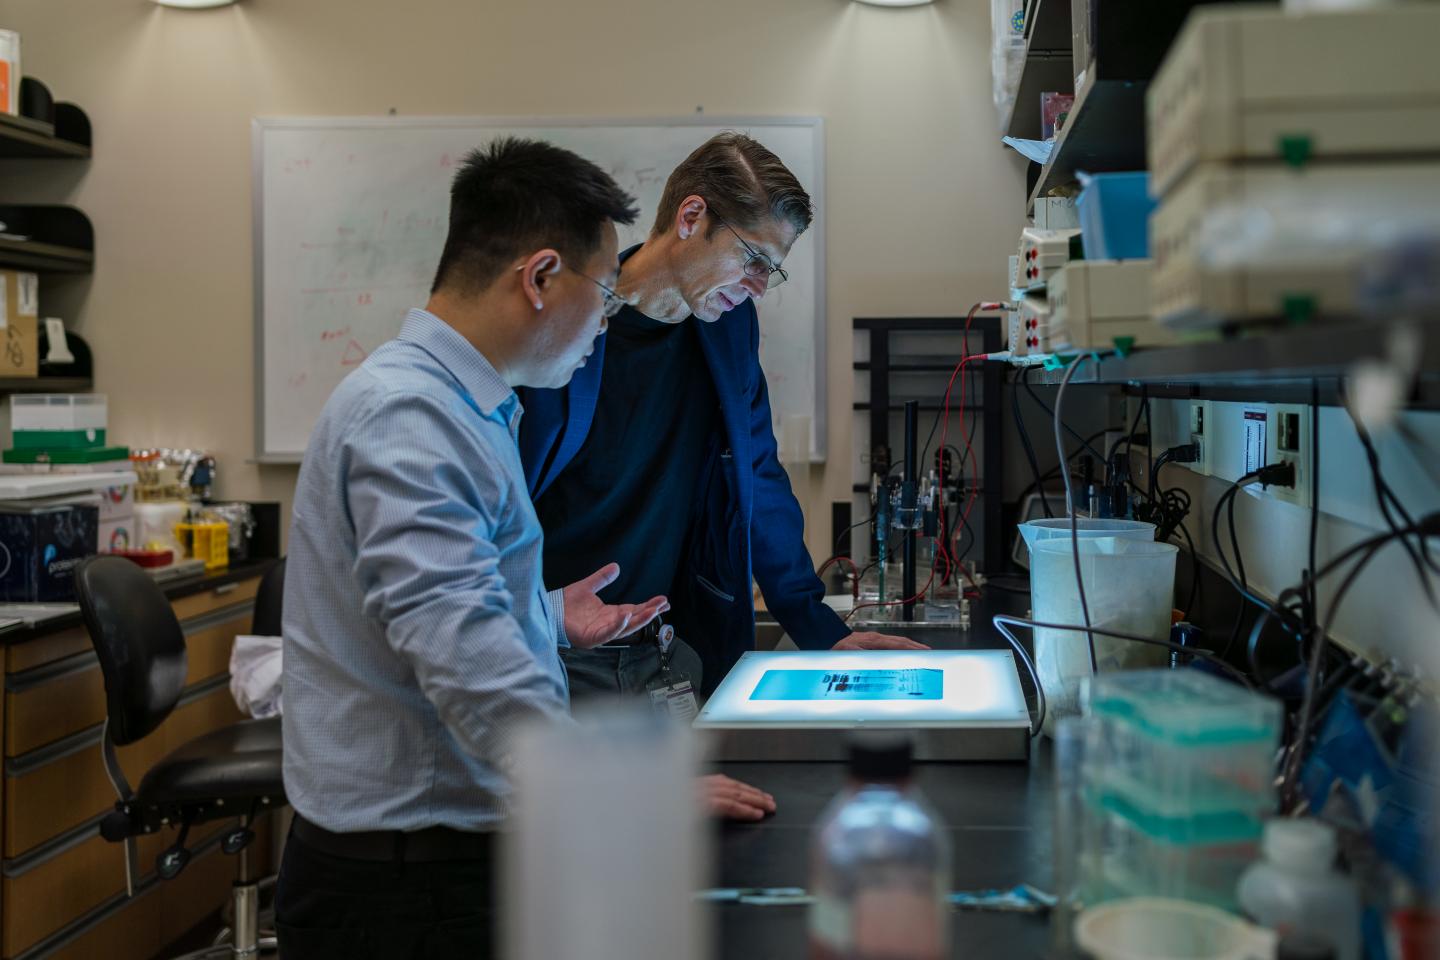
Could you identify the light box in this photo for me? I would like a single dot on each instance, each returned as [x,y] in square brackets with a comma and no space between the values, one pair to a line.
[801,704]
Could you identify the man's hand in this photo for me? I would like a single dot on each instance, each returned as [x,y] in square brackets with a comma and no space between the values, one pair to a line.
[877,641]
[590,621]
[733,800]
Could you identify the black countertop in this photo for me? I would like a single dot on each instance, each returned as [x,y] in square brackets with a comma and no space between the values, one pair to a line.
[173,589]
[998,814]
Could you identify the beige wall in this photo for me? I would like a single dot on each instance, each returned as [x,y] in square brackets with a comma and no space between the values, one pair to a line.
[923,205]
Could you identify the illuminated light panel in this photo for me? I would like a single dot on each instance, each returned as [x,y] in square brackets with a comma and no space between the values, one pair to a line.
[979,689]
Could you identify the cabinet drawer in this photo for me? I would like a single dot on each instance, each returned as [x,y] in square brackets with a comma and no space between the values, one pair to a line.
[225,595]
[46,897]
[67,643]
[44,801]
[145,926]
[70,701]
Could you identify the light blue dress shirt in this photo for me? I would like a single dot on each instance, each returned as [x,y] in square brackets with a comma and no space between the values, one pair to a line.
[418,633]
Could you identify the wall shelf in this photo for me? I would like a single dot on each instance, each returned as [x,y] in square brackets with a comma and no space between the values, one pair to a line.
[60,239]
[1272,360]
[1105,132]
[67,139]
[1048,65]
[45,385]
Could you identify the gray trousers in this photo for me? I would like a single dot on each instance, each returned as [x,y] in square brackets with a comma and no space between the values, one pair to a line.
[625,671]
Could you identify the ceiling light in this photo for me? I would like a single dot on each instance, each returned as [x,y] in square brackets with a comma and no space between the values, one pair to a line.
[194,4]
[895,3]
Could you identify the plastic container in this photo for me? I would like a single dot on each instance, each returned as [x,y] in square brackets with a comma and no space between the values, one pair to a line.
[1177,784]
[1129,587]
[880,863]
[205,540]
[1058,528]
[1296,887]
[1155,928]
[1115,213]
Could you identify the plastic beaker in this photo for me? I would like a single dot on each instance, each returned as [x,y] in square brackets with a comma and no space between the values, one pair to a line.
[1129,588]
[1155,928]
[1052,528]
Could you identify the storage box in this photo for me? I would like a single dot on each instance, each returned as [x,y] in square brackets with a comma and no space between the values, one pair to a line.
[117,534]
[94,459]
[1245,84]
[1102,304]
[1115,213]
[58,413]
[19,324]
[1238,244]
[41,543]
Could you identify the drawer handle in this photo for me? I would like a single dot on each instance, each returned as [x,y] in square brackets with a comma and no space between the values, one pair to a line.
[226,588]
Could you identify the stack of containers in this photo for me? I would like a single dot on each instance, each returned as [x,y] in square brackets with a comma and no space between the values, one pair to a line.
[1291,162]
[1177,781]
[66,433]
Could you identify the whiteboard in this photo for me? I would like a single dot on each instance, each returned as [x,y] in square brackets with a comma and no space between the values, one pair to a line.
[350,215]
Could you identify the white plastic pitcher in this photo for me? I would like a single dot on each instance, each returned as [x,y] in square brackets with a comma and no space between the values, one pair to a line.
[1129,588]
[1051,528]
[1156,928]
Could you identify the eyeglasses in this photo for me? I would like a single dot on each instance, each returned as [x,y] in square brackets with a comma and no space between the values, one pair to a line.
[613,301]
[757,265]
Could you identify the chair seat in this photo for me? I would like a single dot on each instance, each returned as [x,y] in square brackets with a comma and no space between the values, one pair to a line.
[236,764]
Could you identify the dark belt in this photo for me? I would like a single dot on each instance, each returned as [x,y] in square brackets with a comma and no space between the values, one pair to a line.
[414,846]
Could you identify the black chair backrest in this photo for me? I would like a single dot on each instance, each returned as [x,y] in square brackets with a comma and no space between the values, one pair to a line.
[138,640]
[268,621]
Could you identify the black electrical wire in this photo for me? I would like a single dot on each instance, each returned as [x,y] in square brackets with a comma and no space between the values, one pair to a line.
[1084,442]
[1026,444]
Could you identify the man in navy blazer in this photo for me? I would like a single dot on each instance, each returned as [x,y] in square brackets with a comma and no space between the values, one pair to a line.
[660,453]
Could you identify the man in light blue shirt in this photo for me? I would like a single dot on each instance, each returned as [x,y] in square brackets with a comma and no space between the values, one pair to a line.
[418,634]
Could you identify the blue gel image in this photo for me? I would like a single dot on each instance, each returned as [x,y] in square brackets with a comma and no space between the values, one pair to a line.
[914,684]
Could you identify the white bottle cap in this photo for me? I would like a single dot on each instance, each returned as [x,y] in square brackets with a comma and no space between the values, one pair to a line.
[1300,843]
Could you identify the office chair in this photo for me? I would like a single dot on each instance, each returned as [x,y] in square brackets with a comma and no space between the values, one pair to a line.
[231,772]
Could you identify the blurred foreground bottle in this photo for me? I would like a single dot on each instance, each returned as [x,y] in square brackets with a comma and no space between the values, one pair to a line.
[880,863]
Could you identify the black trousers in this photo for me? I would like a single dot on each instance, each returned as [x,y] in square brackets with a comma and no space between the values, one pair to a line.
[334,907]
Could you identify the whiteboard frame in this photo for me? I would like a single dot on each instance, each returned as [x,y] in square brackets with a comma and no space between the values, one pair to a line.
[259,126]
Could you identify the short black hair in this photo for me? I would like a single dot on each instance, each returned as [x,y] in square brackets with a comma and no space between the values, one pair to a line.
[515,196]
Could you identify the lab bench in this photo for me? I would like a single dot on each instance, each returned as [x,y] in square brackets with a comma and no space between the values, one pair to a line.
[999,815]
[62,886]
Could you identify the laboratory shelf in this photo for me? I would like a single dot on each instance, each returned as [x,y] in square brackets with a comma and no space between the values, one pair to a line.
[1290,358]
[1048,65]
[46,239]
[45,385]
[67,139]
[1105,132]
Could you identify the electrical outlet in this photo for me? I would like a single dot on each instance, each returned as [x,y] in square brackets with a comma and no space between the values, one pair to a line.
[1289,440]
[1201,427]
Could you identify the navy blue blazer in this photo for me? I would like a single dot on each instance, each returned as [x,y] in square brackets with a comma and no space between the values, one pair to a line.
[749,525]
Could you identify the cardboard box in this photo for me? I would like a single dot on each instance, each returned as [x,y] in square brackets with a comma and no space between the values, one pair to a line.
[19,324]
[41,544]
[117,534]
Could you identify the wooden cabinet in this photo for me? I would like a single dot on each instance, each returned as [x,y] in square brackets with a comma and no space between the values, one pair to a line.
[62,886]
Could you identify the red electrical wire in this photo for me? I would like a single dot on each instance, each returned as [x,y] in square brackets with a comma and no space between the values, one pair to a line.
[854,569]
[892,603]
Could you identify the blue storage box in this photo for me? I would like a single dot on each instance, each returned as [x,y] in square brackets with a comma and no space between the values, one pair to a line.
[41,544]
[1115,213]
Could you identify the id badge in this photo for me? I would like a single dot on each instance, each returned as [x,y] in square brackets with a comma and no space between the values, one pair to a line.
[676,698]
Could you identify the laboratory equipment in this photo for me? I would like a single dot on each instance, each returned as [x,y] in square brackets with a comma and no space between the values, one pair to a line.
[1033,317]
[1296,887]
[908,506]
[1149,928]
[1101,305]
[1257,83]
[1129,585]
[1178,778]
[803,704]
[880,863]
[1250,243]
[1042,252]
[51,421]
